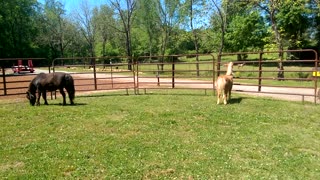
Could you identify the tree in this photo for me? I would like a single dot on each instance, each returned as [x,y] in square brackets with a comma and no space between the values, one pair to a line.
[219,18]
[103,18]
[272,8]
[84,20]
[18,27]
[147,18]
[54,28]
[168,17]
[126,17]
[194,13]
[245,32]
[293,19]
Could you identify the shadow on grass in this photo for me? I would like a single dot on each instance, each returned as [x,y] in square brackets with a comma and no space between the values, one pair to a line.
[60,104]
[235,100]
[100,95]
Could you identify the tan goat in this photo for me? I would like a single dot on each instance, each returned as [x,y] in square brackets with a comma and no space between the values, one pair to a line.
[224,85]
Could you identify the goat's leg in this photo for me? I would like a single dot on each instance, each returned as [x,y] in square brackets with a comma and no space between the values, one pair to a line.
[64,96]
[44,96]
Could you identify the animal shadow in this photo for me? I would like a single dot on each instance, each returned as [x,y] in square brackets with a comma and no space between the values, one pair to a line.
[235,100]
[60,104]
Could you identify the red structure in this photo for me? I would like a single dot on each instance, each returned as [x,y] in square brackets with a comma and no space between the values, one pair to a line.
[23,68]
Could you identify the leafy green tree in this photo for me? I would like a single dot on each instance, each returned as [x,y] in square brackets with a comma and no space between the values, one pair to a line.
[246,32]
[125,10]
[18,27]
[294,21]
[147,20]
[193,10]
[168,12]
[103,17]
[86,25]
[54,28]
[271,8]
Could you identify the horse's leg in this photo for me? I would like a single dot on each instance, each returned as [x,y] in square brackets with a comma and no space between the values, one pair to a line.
[225,96]
[71,92]
[218,96]
[63,95]
[44,96]
[71,96]
[38,98]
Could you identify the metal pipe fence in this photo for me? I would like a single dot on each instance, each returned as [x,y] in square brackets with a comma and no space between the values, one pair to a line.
[257,73]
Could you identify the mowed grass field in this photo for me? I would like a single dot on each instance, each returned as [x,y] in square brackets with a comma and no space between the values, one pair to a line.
[160,135]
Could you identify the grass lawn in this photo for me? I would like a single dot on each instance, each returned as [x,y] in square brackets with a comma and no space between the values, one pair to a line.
[160,135]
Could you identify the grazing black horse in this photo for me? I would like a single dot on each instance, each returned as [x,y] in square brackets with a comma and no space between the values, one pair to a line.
[50,82]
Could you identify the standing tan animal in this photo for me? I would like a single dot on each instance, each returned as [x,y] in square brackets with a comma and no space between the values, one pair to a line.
[224,85]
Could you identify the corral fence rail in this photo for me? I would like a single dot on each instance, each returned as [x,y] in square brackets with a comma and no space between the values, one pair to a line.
[99,73]
[191,71]
[254,72]
[266,73]
[15,83]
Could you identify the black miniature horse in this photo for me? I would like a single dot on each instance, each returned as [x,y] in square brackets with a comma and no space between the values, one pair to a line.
[50,82]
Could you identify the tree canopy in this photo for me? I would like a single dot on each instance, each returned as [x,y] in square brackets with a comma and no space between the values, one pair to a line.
[156,27]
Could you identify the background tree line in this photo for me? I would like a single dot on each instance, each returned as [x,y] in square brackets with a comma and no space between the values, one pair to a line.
[156,27]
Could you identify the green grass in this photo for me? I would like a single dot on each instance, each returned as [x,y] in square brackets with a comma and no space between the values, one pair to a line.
[160,135]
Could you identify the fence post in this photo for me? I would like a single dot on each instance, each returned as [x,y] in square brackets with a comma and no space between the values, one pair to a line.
[136,77]
[213,76]
[94,73]
[173,69]
[260,72]
[316,77]
[218,64]
[4,81]
[111,74]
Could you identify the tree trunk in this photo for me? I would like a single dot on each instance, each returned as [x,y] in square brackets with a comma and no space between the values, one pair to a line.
[279,42]
[195,38]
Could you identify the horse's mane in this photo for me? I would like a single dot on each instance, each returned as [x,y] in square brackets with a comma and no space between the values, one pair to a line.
[33,84]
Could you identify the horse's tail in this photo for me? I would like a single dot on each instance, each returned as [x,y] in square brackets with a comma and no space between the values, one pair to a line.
[70,86]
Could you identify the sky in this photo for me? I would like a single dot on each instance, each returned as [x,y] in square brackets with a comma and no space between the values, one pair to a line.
[72,5]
